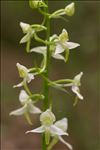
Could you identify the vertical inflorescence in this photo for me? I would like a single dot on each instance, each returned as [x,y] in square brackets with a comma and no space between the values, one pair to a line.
[58,47]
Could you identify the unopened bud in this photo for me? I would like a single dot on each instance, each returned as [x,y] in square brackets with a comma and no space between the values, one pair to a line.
[70,9]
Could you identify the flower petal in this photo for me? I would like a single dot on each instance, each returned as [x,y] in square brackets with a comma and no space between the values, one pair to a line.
[18,85]
[72,45]
[23,96]
[59,49]
[64,142]
[75,89]
[19,111]
[37,130]
[57,131]
[26,38]
[29,77]
[78,76]
[62,124]
[58,56]
[33,109]
[39,49]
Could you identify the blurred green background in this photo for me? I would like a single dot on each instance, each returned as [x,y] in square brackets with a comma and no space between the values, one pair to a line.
[84,121]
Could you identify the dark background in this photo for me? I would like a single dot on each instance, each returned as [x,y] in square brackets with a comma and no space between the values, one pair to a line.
[83,28]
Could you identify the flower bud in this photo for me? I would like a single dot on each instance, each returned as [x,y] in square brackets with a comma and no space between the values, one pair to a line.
[47,117]
[25,27]
[70,9]
[63,37]
[36,4]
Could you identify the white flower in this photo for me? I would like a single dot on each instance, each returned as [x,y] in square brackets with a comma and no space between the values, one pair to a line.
[63,45]
[70,9]
[76,84]
[24,73]
[47,119]
[27,105]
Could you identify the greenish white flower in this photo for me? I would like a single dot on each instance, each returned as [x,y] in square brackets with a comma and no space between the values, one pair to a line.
[27,105]
[62,44]
[70,9]
[30,31]
[76,84]
[36,4]
[50,128]
[24,73]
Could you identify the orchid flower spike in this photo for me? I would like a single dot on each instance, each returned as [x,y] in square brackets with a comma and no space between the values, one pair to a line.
[50,128]
[27,105]
[62,44]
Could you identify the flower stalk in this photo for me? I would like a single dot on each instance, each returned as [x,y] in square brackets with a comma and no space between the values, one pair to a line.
[46,74]
[58,47]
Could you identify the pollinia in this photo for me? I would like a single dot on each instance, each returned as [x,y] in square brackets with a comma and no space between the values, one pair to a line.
[58,47]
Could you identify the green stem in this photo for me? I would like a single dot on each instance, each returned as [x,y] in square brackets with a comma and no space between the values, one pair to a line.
[27,89]
[46,74]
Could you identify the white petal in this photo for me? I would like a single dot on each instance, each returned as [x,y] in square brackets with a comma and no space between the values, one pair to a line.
[26,38]
[62,124]
[57,131]
[21,67]
[37,130]
[19,111]
[29,77]
[25,27]
[64,142]
[23,96]
[58,56]
[59,49]
[18,85]
[75,89]
[33,109]
[72,45]
[39,49]
[78,76]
